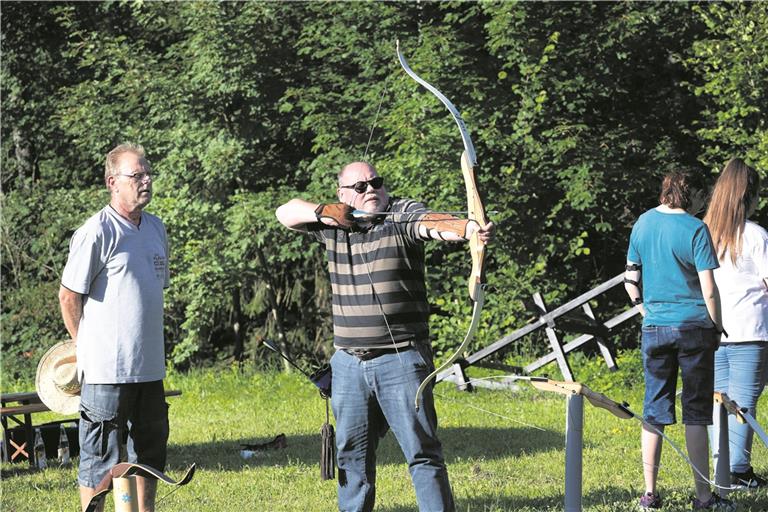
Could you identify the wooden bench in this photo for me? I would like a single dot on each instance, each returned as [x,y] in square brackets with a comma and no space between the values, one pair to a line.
[28,403]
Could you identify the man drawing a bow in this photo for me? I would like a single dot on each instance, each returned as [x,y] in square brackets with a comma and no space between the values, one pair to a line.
[381,334]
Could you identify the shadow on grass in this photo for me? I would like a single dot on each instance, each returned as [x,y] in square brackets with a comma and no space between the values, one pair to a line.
[606,499]
[9,470]
[458,443]
[615,499]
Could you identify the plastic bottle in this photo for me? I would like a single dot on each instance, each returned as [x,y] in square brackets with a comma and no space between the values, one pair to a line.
[40,459]
[63,446]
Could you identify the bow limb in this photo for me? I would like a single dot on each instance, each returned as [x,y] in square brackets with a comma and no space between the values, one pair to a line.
[476,213]
[125,469]
[476,309]
[466,139]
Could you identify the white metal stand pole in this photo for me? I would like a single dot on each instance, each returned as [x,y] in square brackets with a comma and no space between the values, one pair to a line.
[723,455]
[574,436]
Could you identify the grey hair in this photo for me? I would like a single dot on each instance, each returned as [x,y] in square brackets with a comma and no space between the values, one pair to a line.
[110,166]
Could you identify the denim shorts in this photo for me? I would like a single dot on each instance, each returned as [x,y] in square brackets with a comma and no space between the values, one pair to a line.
[692,350]
[112,415]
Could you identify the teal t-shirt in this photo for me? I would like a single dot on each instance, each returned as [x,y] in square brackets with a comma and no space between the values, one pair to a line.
[672,248]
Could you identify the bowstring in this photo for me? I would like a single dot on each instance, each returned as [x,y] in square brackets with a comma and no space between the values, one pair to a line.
[175,488]
[378,301]
[362,253]
[471,406]
[375,119]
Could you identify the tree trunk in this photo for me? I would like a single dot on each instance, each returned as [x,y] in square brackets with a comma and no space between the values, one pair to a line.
[272,297]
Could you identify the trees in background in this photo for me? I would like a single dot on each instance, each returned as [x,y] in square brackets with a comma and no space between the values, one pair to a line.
[576,110]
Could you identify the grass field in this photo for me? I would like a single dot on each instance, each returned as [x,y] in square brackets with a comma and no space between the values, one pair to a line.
[505,451]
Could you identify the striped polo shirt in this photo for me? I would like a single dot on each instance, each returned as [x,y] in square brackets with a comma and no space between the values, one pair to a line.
[378,273]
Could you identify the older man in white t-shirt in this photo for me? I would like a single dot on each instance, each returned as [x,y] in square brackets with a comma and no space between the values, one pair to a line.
[111,299]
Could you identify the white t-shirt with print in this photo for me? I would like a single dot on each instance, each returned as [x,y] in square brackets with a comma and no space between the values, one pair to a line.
[121,270]
[743,292]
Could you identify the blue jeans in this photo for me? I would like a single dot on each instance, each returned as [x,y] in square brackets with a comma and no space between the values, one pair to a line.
[740,372]
[109,412]
[689,349]
[370,397]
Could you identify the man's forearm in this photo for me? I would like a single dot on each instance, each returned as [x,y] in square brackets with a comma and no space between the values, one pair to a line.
[440,226]
[71,304]
[296,213]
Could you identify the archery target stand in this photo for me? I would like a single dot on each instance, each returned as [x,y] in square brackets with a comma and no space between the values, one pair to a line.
[574,430]
[574,445]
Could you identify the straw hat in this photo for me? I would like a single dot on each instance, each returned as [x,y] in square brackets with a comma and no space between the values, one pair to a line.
[56,379]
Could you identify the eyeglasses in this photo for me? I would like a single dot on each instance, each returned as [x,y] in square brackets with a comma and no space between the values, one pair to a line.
[362,186]
[138,176]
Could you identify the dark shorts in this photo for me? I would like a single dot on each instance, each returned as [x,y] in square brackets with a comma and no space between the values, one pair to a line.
[110,415]
[692,350]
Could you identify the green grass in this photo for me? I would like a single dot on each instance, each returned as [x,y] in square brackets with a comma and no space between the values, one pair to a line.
[509,456]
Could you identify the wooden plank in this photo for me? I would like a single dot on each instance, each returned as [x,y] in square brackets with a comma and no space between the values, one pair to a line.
[24,409]
[26,397]
[554,342]
[581,299]
[602,344]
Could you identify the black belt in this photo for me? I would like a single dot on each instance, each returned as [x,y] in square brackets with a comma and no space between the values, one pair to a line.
[364,354]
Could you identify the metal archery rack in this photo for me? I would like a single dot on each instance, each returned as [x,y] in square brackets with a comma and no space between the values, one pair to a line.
[589,327]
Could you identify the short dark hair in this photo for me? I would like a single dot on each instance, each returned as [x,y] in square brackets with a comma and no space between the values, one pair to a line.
[677,188]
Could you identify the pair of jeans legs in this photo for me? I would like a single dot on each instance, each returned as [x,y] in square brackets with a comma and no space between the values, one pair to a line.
[371,397]
[109,413]
[740,372]
[665,350]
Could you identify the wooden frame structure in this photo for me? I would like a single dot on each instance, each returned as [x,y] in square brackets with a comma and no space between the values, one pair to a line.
[591,328]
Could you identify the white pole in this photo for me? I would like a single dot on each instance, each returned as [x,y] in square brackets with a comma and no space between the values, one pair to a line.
[574,436]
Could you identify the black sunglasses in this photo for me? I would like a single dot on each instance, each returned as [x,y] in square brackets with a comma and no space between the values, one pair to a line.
[362,186]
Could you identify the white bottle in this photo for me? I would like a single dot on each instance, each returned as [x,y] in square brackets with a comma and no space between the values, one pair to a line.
[63,446]
[40,459]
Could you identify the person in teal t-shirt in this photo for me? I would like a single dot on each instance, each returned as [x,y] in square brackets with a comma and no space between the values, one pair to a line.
[669,275]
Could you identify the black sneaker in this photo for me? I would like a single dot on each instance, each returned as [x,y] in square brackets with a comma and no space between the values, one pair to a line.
[747,480]
[650,500]
[714,503]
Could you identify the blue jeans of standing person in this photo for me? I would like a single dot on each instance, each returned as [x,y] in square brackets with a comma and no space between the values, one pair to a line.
[689,349]
[109,412]
[372,396]
[740,372]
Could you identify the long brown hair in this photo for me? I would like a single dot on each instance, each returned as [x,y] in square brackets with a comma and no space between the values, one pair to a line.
[732,199]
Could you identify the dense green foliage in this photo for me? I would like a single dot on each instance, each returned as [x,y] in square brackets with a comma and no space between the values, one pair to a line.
[505,452]
[576,110]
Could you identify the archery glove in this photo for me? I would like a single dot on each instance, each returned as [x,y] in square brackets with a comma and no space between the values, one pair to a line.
[341,213]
